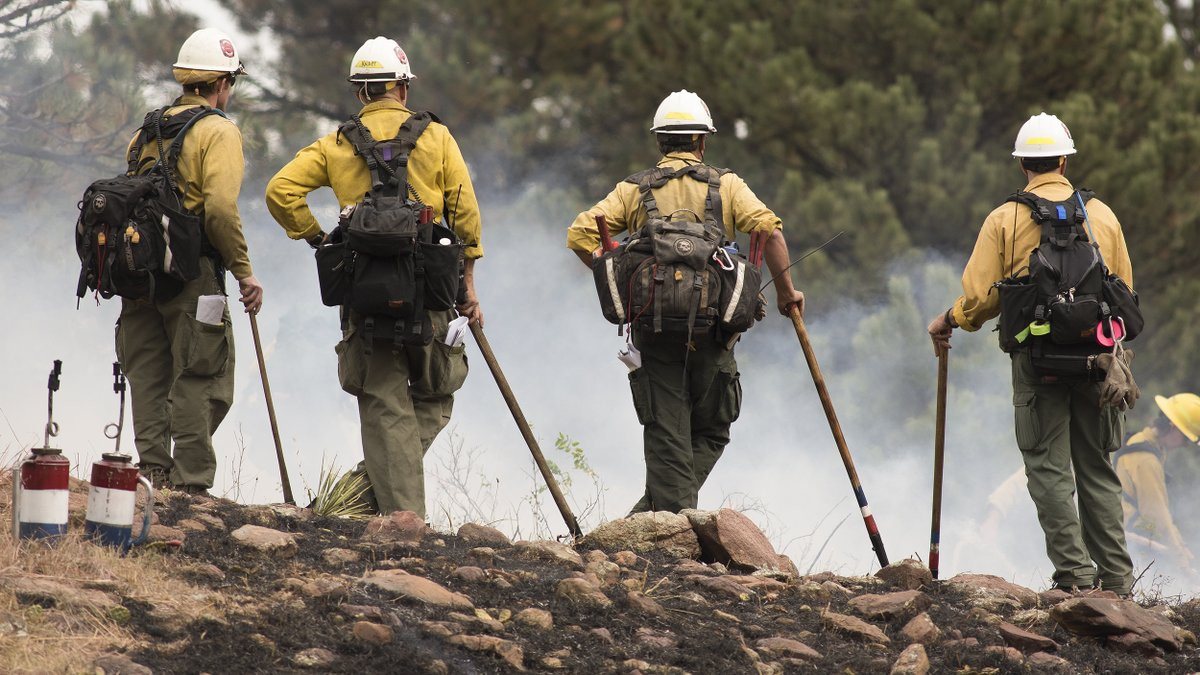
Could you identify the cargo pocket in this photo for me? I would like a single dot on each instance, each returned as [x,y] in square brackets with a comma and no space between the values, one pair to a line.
[1029,428]
[208,350]
[352,365]
[728,386]
[643,401]
[446,372]
[1112,428]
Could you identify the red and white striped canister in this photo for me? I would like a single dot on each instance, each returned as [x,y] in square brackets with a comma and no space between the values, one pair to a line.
[40,497]
[111,501]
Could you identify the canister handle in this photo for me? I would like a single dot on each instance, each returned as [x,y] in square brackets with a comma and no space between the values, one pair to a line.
[147,511]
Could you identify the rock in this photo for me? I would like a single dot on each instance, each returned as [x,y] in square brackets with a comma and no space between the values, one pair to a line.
[552,662]
[961,643]
[726,616]
[833,588]
[983,616]
[908,574]
[912,661]
[1053,597]
[480,619]
[663,531]
[888,606]
[1044,661]
[1029,617]
[993,593]
[165,534]
[640,603]
[191,525]
[625,558]
[362,612]
[593,556]
[581,593]
[509,652]
[47,592]
[442,629]
[694,598]
[758,583]
[402,527]
[854,627]
[203,571]
[724,586]
[1025,640]
[657,639]
[475,534]
[1105,617]
[810,591]
[266,541]
[484,555]
[315,657]
[262,642]
[548,550]
[340,556]
[414,588]
[606,573]
[326,587]
[602,634]
[921,629]
[469,573]
[1014,656]
[1133,644]
[781,646]
[115,664]
[372,633]
[535,618]
[686,567]
[210,520]
[726,536]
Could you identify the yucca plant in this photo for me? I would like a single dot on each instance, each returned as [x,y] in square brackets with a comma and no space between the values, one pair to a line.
[342,496]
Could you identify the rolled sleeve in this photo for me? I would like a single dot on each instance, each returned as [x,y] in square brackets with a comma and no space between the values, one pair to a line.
[583,235]
[748,212]
[460,200]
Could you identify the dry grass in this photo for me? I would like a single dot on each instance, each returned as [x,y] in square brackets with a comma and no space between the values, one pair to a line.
[65,636]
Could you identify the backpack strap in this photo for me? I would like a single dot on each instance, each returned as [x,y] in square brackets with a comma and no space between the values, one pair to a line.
[657,177]
[387,161]
[1061,222]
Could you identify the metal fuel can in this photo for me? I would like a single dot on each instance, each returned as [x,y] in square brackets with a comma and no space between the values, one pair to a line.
[111,501]
[40,495]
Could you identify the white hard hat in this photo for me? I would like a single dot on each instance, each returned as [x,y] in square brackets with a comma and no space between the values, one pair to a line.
[1043,136]
[380,59]
[209,49]
[682,112]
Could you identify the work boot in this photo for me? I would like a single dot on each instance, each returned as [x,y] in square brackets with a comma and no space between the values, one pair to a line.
[159,476]
[195,491]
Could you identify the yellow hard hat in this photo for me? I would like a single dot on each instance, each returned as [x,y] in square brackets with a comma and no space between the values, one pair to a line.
[1184,412]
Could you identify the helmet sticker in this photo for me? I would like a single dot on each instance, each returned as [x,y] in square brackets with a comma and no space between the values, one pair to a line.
[401,55]
[227,48]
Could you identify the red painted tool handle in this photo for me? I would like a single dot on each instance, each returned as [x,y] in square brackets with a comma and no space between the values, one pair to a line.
[606,241]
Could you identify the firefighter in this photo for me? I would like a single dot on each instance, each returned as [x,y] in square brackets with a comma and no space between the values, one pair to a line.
[1064,433]
[405,392]
[1162,456]
[686,394]
[180,370]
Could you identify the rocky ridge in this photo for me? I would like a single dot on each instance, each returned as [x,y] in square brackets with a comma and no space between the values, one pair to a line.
[699,592]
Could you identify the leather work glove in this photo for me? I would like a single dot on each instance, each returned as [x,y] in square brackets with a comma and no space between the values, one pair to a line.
[1118,388]
[760,310]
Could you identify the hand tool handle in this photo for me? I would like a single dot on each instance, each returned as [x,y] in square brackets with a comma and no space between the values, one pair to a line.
[526,431]
[836,428]
[606,241]
[262,370]
[939,453]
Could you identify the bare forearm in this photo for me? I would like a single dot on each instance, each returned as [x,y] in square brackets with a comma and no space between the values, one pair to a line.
[777,258]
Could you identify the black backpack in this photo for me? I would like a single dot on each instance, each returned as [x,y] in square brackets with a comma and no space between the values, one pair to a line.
[134,236]
[674,278]
[1069,302]
[387,260]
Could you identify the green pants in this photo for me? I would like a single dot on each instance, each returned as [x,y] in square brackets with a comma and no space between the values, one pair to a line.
[686,415]
[1065,439]
[405,398]
[180,374]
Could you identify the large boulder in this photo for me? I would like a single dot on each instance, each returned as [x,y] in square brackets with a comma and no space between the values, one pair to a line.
[888,606]
[992,593]
[415,588]
[728,537]
[647,531]
[401,527]
[1135,629]
[908,574]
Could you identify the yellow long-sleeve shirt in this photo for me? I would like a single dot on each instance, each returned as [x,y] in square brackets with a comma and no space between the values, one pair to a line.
[741,209]
[436,170]
[209,171]
[1009,235]
[1144,494]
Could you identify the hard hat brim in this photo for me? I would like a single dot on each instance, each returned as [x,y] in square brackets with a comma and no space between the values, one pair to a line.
[380,77]
[1164,404]
[684,129]
[1033,153]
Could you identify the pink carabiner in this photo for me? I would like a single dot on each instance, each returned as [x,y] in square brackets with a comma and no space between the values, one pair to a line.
[1116,329]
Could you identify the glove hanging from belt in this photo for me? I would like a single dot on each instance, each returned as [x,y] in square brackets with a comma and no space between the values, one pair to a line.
[1118,388]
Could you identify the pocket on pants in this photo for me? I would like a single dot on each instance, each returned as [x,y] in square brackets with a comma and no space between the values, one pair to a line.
[1112,428]
[352,365]
[728,386]
[445,370]
[1029,428]
[643,400]
[208,349]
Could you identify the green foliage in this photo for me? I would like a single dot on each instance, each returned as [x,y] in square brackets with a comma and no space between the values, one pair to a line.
[342,496]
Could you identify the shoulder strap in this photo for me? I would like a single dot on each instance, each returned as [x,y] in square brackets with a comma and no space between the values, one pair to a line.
[387,161]
[654,178]
[1061,222]
[150,123]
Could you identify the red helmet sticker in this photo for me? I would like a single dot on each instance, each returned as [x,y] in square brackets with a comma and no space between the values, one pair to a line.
[401,55]
[227,48]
